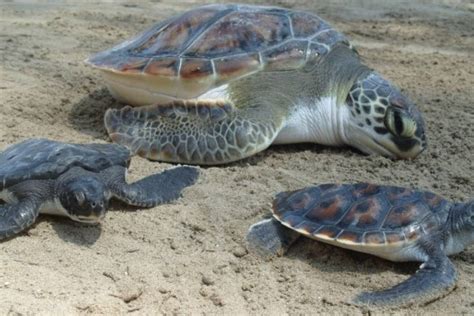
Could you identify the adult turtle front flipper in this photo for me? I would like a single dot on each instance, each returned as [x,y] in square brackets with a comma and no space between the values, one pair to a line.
[194,131]
[153,190]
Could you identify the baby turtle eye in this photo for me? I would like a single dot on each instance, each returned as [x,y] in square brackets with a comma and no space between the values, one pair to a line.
[399,124]
[80,197]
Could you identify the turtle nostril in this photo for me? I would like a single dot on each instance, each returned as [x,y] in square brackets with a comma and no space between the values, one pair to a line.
[93,204]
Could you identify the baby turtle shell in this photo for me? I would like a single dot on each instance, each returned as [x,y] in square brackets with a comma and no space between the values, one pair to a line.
[38,158]
[203,48]
[363,217]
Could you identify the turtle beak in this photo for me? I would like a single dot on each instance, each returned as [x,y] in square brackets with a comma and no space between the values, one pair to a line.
[386,146]
[363,141]
[94,218]
[88,220]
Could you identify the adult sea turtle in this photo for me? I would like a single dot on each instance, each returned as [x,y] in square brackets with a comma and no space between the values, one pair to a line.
[227,81]
[390,222]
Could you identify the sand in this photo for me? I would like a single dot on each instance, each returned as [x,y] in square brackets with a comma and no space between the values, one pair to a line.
[189,257]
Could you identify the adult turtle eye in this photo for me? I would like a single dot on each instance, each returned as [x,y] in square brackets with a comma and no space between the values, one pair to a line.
[399,124]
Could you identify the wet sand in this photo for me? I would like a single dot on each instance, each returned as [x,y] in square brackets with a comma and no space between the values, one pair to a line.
[189,257]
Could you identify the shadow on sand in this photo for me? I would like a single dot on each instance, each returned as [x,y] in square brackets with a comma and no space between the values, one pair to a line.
[85,234]
[76,233]
[87,115]
[327,258]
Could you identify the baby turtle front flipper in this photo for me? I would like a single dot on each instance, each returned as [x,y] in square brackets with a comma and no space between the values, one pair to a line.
[193,131]
[23,202]
[435,278]
[152,190]
[269,238]
[15,218]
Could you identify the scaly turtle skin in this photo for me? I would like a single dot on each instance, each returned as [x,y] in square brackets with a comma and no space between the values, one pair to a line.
[390,222]
[44,176]
[230,80]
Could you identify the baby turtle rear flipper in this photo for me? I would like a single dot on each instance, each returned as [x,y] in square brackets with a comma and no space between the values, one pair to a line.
[156,189]
[194,131]
[14,218]
[435,278]
[270,238]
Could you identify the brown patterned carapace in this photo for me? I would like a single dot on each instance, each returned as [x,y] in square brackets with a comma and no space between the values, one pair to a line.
[223,41]
[360,213]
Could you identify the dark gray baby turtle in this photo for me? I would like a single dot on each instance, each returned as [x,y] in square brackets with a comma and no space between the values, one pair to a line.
[390,222]
[227,81]
[75,180]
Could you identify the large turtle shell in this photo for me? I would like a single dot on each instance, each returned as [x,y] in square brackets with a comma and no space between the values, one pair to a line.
[47,159]
[189,54]
[358,216]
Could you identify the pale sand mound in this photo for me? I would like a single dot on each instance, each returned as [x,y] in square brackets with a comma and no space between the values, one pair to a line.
[189,257]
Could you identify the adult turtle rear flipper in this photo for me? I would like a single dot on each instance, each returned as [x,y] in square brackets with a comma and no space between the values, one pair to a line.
[435,278]
[152,190]
[193,131]
[15,218]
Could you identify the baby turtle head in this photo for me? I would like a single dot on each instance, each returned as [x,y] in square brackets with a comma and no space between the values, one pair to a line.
[85,199]
[462,221]
[384,121]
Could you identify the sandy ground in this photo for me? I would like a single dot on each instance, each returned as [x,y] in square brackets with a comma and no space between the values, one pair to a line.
[190,257]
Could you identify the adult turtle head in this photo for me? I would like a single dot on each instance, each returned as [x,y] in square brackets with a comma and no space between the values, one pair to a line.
[382,120]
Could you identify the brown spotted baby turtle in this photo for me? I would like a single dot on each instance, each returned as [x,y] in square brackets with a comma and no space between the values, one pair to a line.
[390,222]
[227,81]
